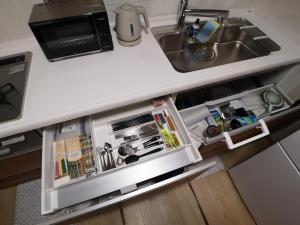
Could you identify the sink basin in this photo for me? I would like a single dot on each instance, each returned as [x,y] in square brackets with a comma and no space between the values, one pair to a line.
[228,44]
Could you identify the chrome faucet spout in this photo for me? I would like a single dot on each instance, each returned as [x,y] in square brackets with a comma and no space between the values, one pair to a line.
[184,11]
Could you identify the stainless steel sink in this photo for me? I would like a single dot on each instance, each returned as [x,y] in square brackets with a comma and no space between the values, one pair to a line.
[229,44]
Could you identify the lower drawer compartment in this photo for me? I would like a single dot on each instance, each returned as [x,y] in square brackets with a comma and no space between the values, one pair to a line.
[96,155]
[71,214]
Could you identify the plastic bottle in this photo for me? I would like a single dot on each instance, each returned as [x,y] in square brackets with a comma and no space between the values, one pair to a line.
[196,27]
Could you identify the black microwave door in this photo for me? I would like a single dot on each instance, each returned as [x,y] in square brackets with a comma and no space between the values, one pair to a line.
[67,37]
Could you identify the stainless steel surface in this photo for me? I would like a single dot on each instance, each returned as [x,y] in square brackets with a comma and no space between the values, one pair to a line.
[14,71]
[57,9]
[74,55]
[238,21]
[184,11]
[269,44]
[229,44]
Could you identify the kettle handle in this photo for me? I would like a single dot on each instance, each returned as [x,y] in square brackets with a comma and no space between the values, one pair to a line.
[142,11]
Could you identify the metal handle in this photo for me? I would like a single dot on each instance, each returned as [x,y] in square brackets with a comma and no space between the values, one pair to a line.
[231,145]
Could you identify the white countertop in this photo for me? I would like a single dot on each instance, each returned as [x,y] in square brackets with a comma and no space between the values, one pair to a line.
[86,85]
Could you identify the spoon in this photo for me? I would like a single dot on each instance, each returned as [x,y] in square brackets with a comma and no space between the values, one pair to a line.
[130,150]
[112,160]
[134,158]
[106,149]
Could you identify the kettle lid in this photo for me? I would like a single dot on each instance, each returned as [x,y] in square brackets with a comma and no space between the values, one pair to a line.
[127,6]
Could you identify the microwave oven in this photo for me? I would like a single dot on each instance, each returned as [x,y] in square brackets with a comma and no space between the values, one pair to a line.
[69,28]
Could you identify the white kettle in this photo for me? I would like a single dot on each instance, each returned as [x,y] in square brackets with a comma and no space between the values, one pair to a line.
[128,24]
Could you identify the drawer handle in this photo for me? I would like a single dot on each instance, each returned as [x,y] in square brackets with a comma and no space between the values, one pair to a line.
[231,145]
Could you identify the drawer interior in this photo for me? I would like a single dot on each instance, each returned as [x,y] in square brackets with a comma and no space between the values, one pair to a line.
[235,105]
[102,153]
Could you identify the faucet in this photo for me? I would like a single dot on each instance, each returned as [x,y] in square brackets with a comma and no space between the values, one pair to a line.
[184,11]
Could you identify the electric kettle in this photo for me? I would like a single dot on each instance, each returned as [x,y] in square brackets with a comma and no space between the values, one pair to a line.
[128,24]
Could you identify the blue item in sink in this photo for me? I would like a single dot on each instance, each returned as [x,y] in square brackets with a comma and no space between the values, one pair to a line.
[207,31]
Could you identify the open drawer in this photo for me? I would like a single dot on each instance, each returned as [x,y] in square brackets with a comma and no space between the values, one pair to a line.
[216,113]
[78,165]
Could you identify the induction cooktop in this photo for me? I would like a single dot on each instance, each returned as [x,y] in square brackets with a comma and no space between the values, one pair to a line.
[14,71]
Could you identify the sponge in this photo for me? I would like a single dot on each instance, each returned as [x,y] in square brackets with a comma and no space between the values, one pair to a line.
[209,28]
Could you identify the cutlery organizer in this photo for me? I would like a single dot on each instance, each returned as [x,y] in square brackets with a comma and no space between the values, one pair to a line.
[103,132]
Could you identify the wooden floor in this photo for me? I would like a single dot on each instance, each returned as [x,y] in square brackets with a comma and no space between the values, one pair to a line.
[212,200]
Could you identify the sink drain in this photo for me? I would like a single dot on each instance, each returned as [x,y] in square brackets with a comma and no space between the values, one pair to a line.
[204,53]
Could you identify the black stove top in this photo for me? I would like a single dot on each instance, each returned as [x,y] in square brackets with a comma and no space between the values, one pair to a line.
[13,76]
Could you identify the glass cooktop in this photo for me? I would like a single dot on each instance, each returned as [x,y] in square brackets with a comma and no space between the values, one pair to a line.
[13,76]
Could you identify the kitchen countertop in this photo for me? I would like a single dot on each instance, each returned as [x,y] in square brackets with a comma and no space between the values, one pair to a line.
[86,85]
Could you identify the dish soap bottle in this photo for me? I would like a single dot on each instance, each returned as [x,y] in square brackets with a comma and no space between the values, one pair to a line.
[196,27]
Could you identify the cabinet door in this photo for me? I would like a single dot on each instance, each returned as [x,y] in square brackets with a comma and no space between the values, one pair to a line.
[269,184]
[291,147]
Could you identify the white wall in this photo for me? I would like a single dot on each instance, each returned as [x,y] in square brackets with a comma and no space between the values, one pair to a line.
[14,14]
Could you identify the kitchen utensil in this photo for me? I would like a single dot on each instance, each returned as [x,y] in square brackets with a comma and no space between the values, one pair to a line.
[132,122]
[130,150]
[167,137]
[102,158]
[272,100]
[134,158]
[128,24]
[213,131]
[112,160]
[120,161]
[106,149]
[138,132]
[124,150]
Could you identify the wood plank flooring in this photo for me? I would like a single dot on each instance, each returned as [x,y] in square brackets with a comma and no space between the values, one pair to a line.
[174,205]
[7,205]
[110,216]
[220,201]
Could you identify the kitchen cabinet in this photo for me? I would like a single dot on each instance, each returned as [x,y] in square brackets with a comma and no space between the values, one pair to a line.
[20,158]
[103,187]
[269,183]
